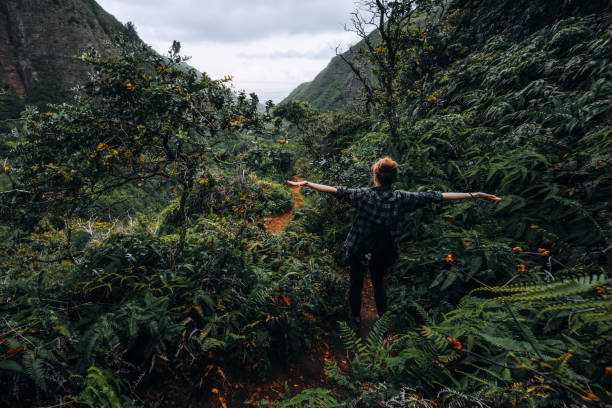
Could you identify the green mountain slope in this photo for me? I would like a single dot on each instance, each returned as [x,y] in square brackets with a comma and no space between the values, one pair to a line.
[333,88]
[39,40]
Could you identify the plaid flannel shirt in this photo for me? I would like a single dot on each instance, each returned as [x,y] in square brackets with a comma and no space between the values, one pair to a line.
[381,206]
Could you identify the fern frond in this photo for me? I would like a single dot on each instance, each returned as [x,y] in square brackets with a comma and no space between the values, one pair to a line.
[504,343]
[312,397]
[211,343]
[34,368]
[435,337]
[378,331]
[334,373]
[463,400]
[548,290]
[492,384]
[599,305]
[424,314]
[259,296]
[504,376]
[352,342]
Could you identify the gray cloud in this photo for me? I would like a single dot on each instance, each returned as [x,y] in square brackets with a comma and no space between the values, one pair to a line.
[232,20]
[271,46]
[323,54]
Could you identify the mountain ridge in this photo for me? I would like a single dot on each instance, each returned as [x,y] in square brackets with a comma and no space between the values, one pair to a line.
[40,38]
[334,87]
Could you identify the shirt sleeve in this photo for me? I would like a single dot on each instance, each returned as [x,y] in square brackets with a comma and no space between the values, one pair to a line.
[416,200]
[349,195]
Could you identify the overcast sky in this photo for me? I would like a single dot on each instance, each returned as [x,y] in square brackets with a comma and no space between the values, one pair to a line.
[270,46]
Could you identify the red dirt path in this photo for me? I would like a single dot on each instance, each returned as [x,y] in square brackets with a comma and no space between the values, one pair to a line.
[277,223]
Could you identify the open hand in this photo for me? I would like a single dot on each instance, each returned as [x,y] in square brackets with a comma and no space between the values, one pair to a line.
[487,196]
[297,183]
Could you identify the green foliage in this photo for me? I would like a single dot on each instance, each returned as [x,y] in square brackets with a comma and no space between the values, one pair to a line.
[312,397]
[143,120]
[513,316]
[277,198]
[99,391]
[494,303]
[148,293]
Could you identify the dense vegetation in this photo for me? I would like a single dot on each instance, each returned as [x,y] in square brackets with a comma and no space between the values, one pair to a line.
[134,253]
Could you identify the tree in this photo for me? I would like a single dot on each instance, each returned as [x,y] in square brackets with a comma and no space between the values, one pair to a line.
[394,36]
[142,119]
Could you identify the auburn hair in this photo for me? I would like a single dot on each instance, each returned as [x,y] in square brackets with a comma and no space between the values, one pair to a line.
[385,171]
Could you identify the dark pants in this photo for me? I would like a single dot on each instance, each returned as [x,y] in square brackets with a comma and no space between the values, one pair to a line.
[379,263]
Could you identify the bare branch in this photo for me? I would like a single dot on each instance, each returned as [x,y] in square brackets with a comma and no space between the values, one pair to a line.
[364,81]
[16,190]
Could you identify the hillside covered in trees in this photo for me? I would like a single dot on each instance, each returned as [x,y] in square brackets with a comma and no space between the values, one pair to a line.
[137,270]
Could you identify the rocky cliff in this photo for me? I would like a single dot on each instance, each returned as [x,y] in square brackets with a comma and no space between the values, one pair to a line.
[39,40]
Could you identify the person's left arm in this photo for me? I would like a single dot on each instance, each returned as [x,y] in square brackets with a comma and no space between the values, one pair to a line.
[464,196]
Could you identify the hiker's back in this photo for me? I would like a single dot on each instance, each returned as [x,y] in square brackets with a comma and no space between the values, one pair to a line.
[380,211]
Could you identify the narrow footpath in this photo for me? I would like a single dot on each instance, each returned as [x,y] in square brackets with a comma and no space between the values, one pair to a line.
[277,223]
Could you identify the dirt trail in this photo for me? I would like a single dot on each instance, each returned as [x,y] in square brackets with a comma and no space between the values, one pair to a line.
[277,223]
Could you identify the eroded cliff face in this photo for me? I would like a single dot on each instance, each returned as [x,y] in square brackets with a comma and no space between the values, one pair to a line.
[39,40]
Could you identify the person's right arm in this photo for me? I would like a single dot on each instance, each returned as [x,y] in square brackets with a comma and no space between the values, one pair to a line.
[319,187]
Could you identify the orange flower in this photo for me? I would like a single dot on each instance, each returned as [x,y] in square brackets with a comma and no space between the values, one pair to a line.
[517,249]
[455,344]
[449,258]
[565,155]
[590,397]
[129,86]
[609,370]
[15,350]
[521,268]
[543,251]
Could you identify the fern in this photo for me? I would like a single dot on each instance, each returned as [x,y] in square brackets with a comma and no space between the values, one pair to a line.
[33,367]
[436,338]
[548,290]
[312,397]
[377,334]
[101,390]
[423,313]
[350,340]
[211,343]
[597,305]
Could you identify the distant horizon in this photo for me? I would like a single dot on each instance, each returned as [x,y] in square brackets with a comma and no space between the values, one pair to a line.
[270,47]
